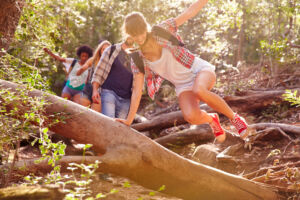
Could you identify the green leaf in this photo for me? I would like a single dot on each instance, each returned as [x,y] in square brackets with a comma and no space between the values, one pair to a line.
[32,115]
[45,130]
[151,193]
[162,188]
[113,191]
[126,184]
[34,141]
[86,146]
[100,196]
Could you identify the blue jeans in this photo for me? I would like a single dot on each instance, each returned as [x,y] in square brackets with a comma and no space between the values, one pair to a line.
[114,106]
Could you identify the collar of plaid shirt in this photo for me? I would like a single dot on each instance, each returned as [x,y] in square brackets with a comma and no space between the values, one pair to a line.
[104,65]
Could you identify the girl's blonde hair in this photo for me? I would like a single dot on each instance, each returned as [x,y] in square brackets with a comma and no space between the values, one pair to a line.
[135,24]
[97,54]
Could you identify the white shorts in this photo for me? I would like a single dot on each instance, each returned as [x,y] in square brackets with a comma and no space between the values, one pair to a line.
[199,65]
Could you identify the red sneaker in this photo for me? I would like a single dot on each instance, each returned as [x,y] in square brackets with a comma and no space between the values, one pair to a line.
[217,129]
[240,124]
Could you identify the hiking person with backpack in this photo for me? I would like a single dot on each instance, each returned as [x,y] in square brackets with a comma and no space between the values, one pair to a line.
[164,56]
[113,80]
[87,92]
[74,84]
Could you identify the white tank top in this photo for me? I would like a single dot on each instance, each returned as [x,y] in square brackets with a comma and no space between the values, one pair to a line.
[170,69]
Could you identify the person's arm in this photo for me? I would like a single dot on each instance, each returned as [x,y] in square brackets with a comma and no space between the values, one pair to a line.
[191,12]
[87,65]
[96,96]
[56,57]
[138,84]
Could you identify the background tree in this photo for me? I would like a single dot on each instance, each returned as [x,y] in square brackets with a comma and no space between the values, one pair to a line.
[10,12]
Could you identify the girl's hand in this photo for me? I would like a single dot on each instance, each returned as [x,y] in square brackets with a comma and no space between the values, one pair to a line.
[96,97]
[123,121]
[79,72]
[46,50]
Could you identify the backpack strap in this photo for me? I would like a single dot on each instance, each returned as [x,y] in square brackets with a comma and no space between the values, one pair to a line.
[73,63]
[112,49]
[165,34]
[138,61]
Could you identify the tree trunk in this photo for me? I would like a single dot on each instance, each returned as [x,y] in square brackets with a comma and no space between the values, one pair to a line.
[240,52]
[132,155]
[10,12]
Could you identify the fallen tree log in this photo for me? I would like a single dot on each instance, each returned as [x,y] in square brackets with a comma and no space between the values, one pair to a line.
[165,121]
[201,133]
[132,155]
[161,122]
[285,127]
[257,100]
[194,134]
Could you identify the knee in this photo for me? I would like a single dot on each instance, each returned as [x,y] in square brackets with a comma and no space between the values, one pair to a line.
[66,96]
[200,91]
[84,102]
[192,116]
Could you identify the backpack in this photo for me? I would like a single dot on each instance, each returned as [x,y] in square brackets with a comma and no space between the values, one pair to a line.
[138,61]
[112,49]
[165,34]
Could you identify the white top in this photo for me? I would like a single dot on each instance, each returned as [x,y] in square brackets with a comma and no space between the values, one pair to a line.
[170,69]
[75,81]
[68,63]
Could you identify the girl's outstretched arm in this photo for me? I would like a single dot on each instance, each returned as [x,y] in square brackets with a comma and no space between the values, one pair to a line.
[87,65]
[56,57]
[191,12]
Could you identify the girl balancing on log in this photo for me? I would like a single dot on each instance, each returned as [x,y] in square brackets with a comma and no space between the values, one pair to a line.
[163,56]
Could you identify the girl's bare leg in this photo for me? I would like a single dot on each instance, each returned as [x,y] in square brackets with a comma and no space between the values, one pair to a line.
[189,105]
[204,82]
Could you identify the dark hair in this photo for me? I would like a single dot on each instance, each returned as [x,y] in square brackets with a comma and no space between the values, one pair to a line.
[84,49]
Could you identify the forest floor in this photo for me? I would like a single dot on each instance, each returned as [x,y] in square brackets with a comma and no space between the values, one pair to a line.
[271,157]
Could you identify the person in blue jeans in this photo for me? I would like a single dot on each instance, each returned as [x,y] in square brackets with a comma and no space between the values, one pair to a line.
[112,81]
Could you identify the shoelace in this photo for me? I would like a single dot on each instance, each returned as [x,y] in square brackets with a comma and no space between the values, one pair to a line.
[238,122]
[215,126]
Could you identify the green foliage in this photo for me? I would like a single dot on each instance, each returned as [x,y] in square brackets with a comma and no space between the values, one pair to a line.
[14,124]
[276,50]
[292,97]
[217,33]
[81,185]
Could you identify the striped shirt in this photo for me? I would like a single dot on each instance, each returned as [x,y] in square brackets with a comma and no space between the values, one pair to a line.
[181,54]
